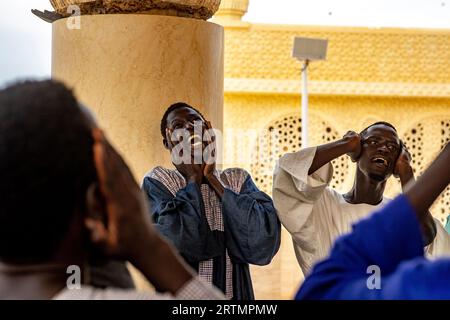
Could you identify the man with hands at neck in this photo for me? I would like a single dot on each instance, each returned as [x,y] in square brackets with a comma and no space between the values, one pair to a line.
[316,214]
[390,241]
[219,221]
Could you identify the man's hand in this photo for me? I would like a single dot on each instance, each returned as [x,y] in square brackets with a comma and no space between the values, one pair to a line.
[350,144]
[209,158]
[190,171]
[353,142]
[128,232]
[403,169]
[209,168]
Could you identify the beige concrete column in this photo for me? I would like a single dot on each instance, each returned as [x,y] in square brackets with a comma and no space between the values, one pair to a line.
[128,68]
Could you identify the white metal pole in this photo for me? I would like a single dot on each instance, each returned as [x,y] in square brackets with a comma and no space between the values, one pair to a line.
[305,142]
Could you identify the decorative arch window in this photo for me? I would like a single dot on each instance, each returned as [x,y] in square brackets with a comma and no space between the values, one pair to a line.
[284,136]
[424,141]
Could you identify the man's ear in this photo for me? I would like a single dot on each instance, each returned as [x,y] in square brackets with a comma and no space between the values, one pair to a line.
[166,144]
[166,141]
[96,220]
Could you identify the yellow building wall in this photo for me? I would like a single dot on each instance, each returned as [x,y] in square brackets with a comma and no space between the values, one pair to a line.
[395,75]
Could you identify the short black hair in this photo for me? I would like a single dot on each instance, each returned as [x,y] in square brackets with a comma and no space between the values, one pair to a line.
[174,107]
[384,123]
[46,166]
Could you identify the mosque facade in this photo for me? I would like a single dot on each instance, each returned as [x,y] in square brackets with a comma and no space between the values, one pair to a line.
[130,67]
[370,74]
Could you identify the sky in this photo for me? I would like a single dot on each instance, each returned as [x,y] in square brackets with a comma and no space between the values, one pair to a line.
[364,13]
[25,40]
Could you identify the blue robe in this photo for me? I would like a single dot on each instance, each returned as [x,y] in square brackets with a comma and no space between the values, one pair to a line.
[251,230]
[391,240]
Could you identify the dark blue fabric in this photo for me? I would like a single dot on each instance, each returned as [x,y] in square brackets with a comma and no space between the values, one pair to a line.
[251,234]
[390,239]
[252,228]
[182,220]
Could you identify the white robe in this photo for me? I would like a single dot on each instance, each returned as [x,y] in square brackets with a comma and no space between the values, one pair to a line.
[315,215]
[195,289]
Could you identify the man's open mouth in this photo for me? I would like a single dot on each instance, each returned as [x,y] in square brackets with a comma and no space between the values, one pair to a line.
[195,140]
[381,160]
